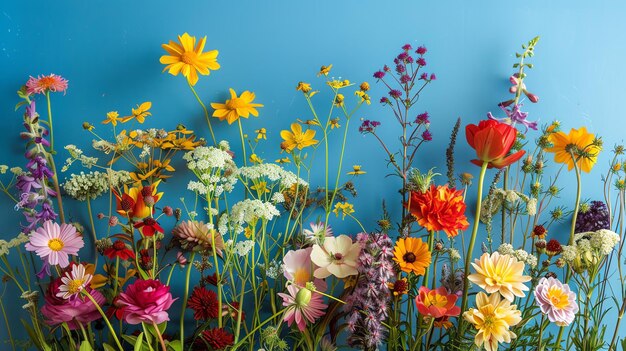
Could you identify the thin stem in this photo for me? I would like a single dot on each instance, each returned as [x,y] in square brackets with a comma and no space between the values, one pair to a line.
[185,295]
[106,319]
[50,122]
[93,231]
[158,333]
[206,112]
[243,143]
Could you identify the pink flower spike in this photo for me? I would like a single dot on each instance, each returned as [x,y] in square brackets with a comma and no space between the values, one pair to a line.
[55,243]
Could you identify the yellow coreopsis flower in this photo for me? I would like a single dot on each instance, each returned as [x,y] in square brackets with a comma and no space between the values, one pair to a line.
[339,100]
[283,160]
[255,159]
[140,113]
[578,145]
[303,87]
[261,134]
[502,274]
[296,138]
[260,188]
[113,118]
[364,97]
[334,123]
[356,170]
[412,255]
[492,317]
[187,57]
[236,107]
[324,70]
[344,208]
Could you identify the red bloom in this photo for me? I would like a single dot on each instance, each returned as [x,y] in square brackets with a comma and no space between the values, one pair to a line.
[553,248]
[217,338]
[437,303]
[204,303]
[116,309]
[119,249]
[149,226]
[439,208]
[492,141]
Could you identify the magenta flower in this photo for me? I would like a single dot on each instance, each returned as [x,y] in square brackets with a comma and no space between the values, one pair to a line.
[57,310]
[43,84]
[556,300]
[302,306]
[146,301]
[55,243]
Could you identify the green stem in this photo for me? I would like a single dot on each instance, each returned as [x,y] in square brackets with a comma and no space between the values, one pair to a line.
[236,346]
[106,319]
[158,333]
[206,112]
[50,122]
[243,143]
[6,320]
[185,295]
[93,231]
[431,244]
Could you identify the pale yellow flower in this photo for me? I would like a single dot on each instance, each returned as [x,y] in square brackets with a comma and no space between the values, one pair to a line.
[492,317]
[500,273]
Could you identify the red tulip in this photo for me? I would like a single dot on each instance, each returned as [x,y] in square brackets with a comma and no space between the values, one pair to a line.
[492,141]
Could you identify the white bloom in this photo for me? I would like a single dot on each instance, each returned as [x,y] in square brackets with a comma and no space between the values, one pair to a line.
[604,240]
[506,249]
[454,255]
[16,170]
[531,206]
[569,253]
[531,261]
[273,172]
[74,282]
[511,196]
[3,169]
[243,247]
[278,198]
[338,256]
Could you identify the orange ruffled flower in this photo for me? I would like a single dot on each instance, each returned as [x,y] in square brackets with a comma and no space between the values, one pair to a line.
[412,255]
[137,201]
[439,208]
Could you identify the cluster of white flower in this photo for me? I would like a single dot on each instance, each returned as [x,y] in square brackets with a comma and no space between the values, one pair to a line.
[145,151]
[589,248]
[278,198]
[242,248]
[77,154]
[93,184]
[521,255]
[215,169]
[493,203]
[246,212]
[274,270]
[272,172]
[103,145]
[5,246]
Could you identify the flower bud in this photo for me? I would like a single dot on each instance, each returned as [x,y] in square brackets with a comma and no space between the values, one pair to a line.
[303,297]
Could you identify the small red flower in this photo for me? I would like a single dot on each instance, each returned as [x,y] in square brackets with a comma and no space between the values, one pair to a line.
[553,248]
[539,232]
[217,338]
[204,303]
[493,141]
[119,249]
[149,226]
[116,309]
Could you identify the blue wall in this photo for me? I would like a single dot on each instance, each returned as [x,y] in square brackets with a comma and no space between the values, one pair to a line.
[109,51]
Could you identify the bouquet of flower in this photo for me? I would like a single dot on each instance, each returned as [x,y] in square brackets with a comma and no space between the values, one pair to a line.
[252,261]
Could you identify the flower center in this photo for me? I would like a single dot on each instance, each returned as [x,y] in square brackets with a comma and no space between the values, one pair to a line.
[434,299]
[338,256]
[234,104]
[557,297]
[56,244]
[46,82]
[188,57]
[409,257]
[75,286]
[301,276]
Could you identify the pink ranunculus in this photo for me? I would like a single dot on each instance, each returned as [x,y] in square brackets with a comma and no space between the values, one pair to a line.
[57,310]
[556,300]
[146,301]
[437,303]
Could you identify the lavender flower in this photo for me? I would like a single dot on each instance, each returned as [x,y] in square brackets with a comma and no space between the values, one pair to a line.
[367,306]
[592,217]
[513,116]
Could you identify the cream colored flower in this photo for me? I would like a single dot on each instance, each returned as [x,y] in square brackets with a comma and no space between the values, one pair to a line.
[492,317]
[500,273]
[337,256]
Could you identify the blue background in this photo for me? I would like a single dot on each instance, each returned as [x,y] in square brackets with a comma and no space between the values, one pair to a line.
[109,51]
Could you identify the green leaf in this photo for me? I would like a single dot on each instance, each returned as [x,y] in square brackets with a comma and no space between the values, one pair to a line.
[20,104]
[174,345]
[139,343]
[108,347]
[85,346]
[130,338]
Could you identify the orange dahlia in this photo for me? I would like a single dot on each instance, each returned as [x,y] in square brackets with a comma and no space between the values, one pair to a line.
[412,255]
[439,208]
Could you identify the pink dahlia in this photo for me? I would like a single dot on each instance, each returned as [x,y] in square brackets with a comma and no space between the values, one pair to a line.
[57,310]
[55,243]
[43,84]
[556,300]
[302,306]
[146,301]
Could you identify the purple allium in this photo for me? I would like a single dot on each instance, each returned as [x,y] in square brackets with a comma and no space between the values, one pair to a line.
[407,47]
[400,69]
[420,61]
[403,56]
[514,116]
[405,79]
[379,75]
[592,217]
[367,306]
[396,94]
[421,50]
[422,118]
[427,136]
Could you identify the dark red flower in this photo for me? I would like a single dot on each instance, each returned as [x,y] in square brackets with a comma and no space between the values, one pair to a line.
[149,226]
[116,309]
[217,338]
[204,303]
[553,248]
[539,232]
[119,249]
[493,141]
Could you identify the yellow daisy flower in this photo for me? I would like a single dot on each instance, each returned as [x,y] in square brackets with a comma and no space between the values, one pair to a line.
[339,100]
[500,273]
[187,57]
[140,113]
[296,138]
[283,160]
[334,123]
[236,107]
[324,70]
[303,87]
[412,255]
[112,117]
[255,159]
[492,317]
[578,144]
[356,170]
[261,134]
[344,208]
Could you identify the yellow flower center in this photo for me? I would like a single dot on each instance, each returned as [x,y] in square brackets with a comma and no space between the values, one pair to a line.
[489,321]
[235,103]
[75,286]
[558,297]
[56,244]
[189,57]
[434,299]
[301,276]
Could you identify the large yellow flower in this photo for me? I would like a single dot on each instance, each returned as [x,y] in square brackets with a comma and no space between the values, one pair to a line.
[296,138]
[236,107]
[412,255]
[578,144]
[188,58]
[500,273]
[492,317]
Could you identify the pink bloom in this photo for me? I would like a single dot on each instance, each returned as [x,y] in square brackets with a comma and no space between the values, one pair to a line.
[58,310]
[298,268]
[556,300]
[74,282]
[55,243]
[302,306]
[146,301]
[43,84]
[437,303]
[337,256]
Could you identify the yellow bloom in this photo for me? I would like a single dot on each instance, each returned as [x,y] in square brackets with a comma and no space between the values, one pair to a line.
[365,86]
[492,317]
[334,123]
[261,188]
[283,160]
[324,70]
[339,100]
[578,144]
[412,255]
[188,58]
[255,159]
[140,113]
[261,134]
[112,117]
[296,138]
[364,97]
[303,87]
[344,208]
[500,273]
[309,122]
[338,84]
[356,170]
[236,107]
